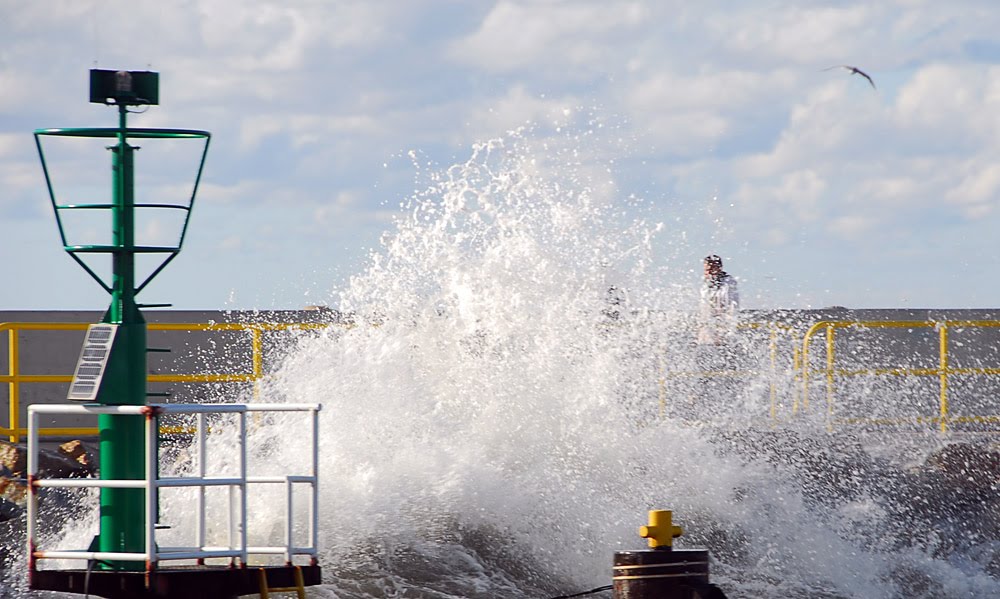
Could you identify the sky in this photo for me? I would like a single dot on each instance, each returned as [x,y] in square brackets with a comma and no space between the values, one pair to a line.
[817,189]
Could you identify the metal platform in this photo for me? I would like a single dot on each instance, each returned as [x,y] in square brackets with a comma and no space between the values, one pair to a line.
[147,571]
[193,581]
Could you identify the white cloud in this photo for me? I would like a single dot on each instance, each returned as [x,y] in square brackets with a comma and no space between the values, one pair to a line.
[852,226]
[254,130]
[799,34]
[12,145]
[314,129]
[892,190]
[255,37]
[956,104]
[689,112]
[244,190]
[17,86]
[517,35]
[333,211]
[516,109]
[829,121]
[977,192]
[883,161]
[793,198]
[231,243]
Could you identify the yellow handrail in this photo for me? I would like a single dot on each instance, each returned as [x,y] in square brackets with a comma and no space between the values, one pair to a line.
[14,378]
[943,370]
[800,366]
[774,330]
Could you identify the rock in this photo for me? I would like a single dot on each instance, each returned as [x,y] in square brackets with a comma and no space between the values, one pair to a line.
[13,458]
[9,510]
[13,463]
[12,490]
[77,451]
[69,460]
[967,466]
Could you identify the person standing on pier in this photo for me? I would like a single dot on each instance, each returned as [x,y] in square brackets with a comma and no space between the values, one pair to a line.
[720,301]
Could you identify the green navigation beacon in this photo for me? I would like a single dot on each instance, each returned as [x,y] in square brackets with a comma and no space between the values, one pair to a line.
[117,377]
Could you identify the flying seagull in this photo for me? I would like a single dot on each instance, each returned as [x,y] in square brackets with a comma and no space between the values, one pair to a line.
[854,71]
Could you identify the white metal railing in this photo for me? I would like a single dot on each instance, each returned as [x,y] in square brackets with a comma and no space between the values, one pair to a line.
[237,548]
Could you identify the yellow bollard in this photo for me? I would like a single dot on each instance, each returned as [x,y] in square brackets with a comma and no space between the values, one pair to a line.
[661,530]
[662,572]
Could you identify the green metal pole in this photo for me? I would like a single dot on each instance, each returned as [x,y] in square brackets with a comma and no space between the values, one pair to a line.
[122,521]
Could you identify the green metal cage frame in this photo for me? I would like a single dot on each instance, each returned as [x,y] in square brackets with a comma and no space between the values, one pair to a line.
[106,132]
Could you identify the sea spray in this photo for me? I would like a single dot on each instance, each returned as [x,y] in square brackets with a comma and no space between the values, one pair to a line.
[494,424]
[489,425]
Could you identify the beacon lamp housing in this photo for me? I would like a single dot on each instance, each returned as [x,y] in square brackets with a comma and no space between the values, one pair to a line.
[128,88]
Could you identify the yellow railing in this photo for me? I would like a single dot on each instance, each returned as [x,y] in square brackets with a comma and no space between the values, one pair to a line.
[803,371]
[15,378]
[943,370]
[775,333]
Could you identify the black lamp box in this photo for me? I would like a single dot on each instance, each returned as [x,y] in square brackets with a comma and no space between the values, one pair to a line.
[124,87]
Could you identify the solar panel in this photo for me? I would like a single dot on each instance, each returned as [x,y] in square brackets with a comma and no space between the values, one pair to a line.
[93,360]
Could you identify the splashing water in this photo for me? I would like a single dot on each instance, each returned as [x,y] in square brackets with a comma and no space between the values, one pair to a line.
[491,427]
[491,430]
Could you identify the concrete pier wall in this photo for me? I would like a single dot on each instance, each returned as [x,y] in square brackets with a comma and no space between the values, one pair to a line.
[229,352]
[55,352]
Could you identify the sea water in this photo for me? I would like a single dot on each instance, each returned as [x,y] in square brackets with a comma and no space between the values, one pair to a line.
[495,424]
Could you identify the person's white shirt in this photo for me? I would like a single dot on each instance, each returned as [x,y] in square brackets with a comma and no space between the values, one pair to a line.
[720,296]
[720,302]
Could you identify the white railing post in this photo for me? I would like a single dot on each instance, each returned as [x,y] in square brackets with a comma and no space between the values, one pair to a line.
[314,504]
[243,488]
[231,545]
[288,521]
[32,490]
[152,490]
[202,473]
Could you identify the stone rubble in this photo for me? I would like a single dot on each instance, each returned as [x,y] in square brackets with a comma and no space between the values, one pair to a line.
[72,459]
